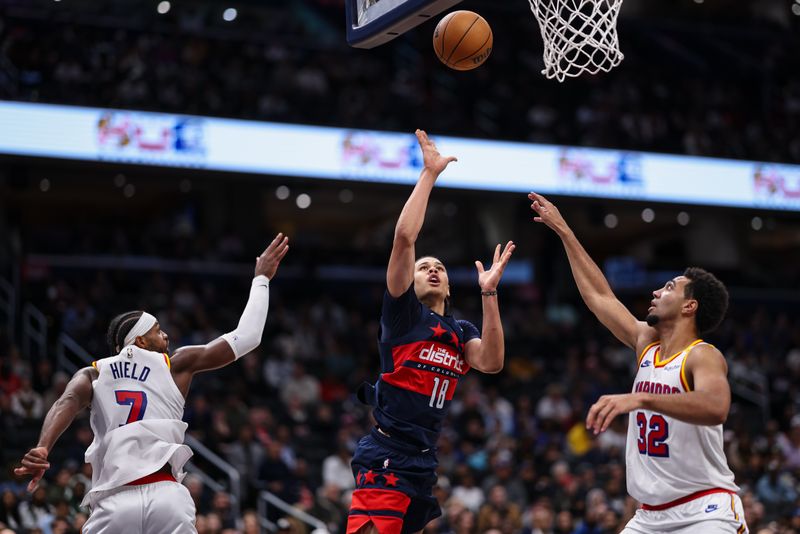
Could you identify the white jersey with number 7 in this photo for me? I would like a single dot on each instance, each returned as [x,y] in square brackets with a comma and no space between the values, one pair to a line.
[668,459]
[136,417]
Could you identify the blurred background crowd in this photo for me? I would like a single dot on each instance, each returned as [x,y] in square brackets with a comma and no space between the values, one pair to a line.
[714,80]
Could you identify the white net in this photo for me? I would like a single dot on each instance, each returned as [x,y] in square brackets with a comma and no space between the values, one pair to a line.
[579,36]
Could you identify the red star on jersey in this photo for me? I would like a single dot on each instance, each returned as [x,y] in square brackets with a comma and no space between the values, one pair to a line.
[454,338]
[369,477]
[438,331]
[358,479]
[391,480]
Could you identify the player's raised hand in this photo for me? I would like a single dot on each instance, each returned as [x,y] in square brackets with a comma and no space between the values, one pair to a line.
[267,263]
[547,213]
[431,158]
[488,280]
[603,412]
[34,464]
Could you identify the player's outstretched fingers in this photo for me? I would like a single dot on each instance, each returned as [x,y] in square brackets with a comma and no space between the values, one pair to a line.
[591,417]
[271,246]
[536,197]
[496,257]
[33,465]
[33,460]
[603,415]
[279,251]
[284,251]
[34,483]
[479,266]
[507,251]
[610,416]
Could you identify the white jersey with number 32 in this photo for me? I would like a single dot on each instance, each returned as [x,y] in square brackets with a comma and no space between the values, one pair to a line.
[136,417]
[668,459]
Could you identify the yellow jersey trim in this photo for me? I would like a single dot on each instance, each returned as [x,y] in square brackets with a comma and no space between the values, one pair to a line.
[733,508]
[684,381]
[662,363]
[94,364]
[166,359]
[644,351]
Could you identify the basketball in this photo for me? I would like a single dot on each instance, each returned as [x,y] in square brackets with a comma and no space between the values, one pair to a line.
[463,40]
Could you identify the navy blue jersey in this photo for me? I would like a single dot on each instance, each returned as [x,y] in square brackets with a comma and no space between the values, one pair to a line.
[422,360]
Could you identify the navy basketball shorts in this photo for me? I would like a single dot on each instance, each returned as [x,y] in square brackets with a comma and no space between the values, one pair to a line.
[394,486]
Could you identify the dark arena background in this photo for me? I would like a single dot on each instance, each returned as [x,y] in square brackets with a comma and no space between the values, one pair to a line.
[150,150]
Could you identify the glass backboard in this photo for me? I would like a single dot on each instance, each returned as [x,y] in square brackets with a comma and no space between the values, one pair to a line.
[371,23]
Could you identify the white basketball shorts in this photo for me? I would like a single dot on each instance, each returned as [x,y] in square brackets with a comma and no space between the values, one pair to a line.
[717,513]
[156,508]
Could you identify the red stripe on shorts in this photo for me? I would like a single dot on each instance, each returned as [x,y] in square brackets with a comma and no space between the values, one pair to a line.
[160,476]
[683,500]
[379,499]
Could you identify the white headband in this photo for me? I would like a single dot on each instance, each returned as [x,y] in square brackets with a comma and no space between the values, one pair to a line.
[142,326]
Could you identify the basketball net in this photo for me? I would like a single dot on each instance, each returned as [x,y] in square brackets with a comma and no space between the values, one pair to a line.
[579,36]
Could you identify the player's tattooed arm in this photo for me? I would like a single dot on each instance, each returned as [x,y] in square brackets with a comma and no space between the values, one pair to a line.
[76,397]
[593,286]
[400,272]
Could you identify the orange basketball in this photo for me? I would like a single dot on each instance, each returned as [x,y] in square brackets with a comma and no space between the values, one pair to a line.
[463,40]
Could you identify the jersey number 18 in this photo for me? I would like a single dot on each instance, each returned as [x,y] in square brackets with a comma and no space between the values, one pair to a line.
[439,393]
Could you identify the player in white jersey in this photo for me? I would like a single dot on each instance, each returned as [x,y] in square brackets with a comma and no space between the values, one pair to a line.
[136,399]
[675,461]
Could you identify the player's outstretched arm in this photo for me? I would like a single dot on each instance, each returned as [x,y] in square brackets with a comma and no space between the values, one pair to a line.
[76,397]
[593,286]
[487,354]
[400,272]
[708,402]
[247,336]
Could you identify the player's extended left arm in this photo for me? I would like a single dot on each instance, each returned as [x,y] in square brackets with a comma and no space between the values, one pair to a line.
[76,397]
[488,353]
[247,335]
[707,404]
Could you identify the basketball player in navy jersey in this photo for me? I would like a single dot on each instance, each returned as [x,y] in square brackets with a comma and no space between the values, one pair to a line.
[674,455]
[136,399]
[424,352]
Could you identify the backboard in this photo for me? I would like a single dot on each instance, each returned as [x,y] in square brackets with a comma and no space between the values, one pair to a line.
[371,23]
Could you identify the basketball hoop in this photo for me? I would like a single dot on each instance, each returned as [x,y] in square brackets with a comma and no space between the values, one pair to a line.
[579,36]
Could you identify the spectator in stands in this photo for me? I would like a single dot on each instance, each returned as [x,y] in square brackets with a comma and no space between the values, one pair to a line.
[503,474]
[538,519]
[275,475]
[329,508]
[10,381]
[776,491]
[553,406]
[245,455]
[336,467]
[9,511]
[301,388]
[467,491]
[36,513]
[79,319]
[221,506]
[789,444]
[499,513]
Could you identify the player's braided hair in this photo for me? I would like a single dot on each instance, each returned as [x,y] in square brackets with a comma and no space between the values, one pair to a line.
[711,296]
[120,326]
